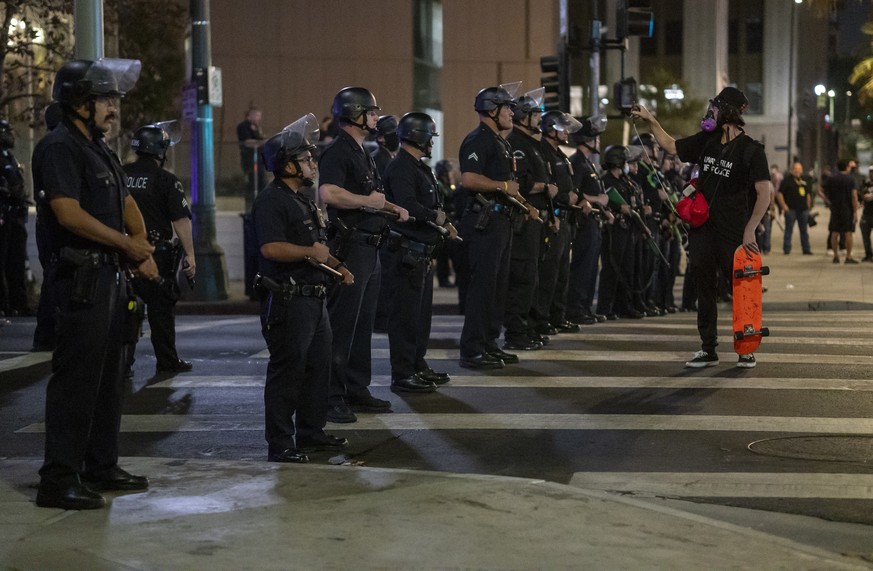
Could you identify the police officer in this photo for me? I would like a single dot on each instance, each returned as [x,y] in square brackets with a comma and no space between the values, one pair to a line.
[648,177]
[550,308]
[487,174]
[387,142]
[588,230]
[294,282]
[161,199]
[616,271]
[406,257]
[90,211]
[349,183]
[532,174]
[13,228]
[387,146]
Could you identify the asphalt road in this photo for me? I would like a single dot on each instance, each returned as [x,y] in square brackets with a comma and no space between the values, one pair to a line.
[609,408]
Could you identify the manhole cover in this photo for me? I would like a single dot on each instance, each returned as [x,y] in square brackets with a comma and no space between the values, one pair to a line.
[828,448]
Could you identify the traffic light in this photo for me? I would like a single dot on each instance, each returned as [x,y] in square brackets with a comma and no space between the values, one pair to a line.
[556,82]
[634,18]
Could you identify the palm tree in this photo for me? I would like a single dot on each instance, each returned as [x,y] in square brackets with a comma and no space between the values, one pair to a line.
[862,74]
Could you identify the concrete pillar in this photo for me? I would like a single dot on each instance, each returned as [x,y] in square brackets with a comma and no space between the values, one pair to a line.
[705,53]
[780,71]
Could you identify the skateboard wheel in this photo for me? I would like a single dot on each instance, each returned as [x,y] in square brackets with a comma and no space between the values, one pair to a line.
[765,271]
[738,335]
[739,274]
[765,332]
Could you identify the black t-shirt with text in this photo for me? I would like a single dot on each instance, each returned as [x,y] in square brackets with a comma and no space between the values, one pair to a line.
[159,196]
[727,176]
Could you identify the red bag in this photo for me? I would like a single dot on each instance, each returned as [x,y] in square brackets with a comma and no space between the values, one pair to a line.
[693,207]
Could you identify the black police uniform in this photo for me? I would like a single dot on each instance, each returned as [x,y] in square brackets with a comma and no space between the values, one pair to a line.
[294,320]
[527,240]
[586,244]
[551,297]
[617,264]
[161,199]
[84,393]
[485,228]
[382,158]
[406,260]
[358,237]
[649,180]
[13,235]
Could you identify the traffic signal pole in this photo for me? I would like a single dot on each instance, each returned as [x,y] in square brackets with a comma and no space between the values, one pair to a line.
[211,281]
[88,28]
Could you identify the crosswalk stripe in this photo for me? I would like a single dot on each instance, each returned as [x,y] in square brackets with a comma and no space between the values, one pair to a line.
[774,339]
[545,381]
[676,357]
[730,484]
[26,360]
[493,421]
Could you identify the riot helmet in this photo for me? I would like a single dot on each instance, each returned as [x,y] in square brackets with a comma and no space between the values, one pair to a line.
[592,127]
[418,129]
[80,80]
[615,156]
[492,98]
[7,135]
[153,140]
[528,104]
[285,146]
[350,103]
[644,140]
[386,127]
[555,122]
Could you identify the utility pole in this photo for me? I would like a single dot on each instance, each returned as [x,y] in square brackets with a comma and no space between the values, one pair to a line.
[211,284]
[88,28]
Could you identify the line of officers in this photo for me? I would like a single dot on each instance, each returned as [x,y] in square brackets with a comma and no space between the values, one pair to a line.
[531,231]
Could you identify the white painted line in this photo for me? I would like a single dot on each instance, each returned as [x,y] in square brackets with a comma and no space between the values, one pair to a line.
[545,381]
[26,360]
[504,421]
[773,339]
[730,484]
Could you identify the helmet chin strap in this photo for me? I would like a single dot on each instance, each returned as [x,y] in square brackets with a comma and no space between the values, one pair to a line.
[89,120]
[363,124]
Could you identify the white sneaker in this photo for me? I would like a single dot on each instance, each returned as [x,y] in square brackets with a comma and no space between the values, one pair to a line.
[746,361]
[702,359]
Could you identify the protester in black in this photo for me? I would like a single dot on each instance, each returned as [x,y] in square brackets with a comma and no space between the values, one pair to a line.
[14,203]
[841,196]
[731,163]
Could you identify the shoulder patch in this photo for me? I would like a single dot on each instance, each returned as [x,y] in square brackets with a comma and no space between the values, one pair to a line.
[473,156]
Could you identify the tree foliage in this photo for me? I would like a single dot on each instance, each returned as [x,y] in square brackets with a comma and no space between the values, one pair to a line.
[153,32]
[35,38]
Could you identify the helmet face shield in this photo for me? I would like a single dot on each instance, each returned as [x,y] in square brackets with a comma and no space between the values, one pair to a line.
[113,77]
[512,88]
[291,141]
[172,131]
[560,121]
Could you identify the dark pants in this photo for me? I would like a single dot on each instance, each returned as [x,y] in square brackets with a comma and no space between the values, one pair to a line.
[488,261]
[713,259]
[84,393]
[298,335]
[523,274]
[385,299]
[549,304]
[666,277]
[411,279]
[587,243]
[13,261]
[161,311]
[616,271]
[866,225]
[352,310]
[802,219]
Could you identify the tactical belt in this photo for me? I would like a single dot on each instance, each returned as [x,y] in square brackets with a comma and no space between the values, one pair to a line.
[493,206]
[361,237]
[562,213]
[397,241]
[319,291]
[81,256]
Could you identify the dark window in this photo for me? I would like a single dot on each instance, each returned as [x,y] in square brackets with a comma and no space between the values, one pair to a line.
[733,37]
[673,38]
[754,36]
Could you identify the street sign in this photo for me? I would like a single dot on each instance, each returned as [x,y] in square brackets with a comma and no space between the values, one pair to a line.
[189,102]
[214,83]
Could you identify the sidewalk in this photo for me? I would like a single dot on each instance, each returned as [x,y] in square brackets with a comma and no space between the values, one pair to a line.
[202,514]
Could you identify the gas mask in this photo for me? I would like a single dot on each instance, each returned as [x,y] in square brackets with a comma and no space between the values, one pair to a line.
[708,123]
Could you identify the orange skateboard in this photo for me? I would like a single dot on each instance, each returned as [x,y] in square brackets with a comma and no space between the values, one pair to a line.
[747,292]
